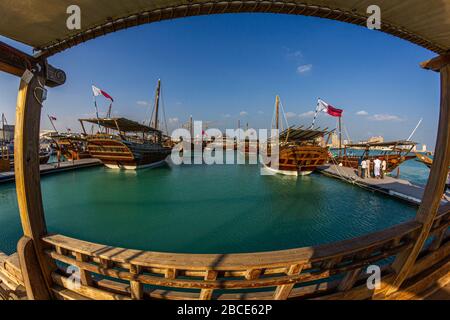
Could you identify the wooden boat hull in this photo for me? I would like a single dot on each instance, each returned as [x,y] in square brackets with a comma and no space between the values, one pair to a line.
[72,148]
[71,155]
[424,159]
[127,155]
[287,172]
[43,159]
[300,160]
[393,161]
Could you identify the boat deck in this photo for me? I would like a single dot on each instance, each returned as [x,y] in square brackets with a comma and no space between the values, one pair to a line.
[398,188]
[52,168]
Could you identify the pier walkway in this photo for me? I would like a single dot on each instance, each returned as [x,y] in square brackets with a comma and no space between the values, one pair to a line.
[394,187]
[51,168]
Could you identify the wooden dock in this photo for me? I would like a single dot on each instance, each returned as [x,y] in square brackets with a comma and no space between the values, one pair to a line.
[52,168]
[394,187]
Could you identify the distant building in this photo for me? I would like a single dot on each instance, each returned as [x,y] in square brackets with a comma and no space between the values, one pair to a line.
[7,133]
[47,133]
[376,139]
[424,148]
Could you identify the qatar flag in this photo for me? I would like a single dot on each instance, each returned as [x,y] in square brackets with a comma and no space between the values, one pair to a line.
[328,108]
[98,92]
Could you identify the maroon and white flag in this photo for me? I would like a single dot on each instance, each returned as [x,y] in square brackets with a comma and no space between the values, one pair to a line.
[328,108]
[98,92]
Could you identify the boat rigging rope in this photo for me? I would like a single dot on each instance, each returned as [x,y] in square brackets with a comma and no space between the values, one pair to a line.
[164,111]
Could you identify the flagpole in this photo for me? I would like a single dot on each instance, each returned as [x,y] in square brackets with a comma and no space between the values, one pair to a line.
[96,109]
[340,137]
[315,114]
[51,121]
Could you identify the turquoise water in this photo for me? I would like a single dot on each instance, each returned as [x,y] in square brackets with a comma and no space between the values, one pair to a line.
[205,208]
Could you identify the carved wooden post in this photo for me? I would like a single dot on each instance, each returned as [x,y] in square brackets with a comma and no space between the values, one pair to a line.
[35,74]
[26,163]
[436,182]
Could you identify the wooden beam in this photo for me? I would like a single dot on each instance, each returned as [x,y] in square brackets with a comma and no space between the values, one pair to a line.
[26,163]
[434,189]
[436,64]
[15,62]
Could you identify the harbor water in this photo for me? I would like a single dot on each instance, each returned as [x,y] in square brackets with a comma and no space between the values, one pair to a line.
[206,208]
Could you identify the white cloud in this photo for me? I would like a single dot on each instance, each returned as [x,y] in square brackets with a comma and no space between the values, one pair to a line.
[307,114]
[142,103]
[385,117]
[304,68]
[362,113]
[226,115]
[243,113]
[173,120]
[290,115]
[260,112]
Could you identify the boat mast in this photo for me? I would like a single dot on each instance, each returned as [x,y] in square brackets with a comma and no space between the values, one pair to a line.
[5,151]
[158,91]
[239,132]
[191,129]
[277,112]
[51,121]
[3,127]
[340,137]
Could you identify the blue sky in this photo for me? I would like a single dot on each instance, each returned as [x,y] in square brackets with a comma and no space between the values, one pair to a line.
[228,67]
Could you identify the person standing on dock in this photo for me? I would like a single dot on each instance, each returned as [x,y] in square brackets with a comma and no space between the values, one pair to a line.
[363,169]
[369,173]
[377,168]
[360,160]
[383,168]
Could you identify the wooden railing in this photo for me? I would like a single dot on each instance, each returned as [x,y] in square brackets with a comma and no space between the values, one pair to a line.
[331,271]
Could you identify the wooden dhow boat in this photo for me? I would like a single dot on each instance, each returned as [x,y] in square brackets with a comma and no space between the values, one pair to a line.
[127,144]
[300,150]
[424,159]
[394,152]
[71,147]
[130,145]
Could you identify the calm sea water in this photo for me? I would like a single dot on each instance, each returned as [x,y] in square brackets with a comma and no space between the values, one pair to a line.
[206,208]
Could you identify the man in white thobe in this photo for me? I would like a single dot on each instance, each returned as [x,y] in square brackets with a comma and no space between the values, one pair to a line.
[377,168]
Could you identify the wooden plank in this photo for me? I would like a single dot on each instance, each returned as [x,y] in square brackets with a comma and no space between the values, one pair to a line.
[33,277]
[282,292]
[66,294]
[421,284]
[15,62]
[349,279]
[137,288]
[206,294]
[8,282]
[235,262]
[90,292]
[434,189]
[85,276]
[432,258]
[436,64]
[437,241]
